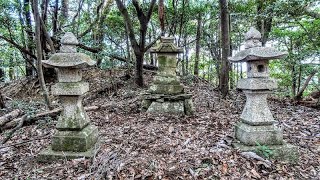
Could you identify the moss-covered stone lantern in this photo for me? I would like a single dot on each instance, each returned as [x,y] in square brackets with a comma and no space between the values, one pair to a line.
[166,93]
[75,136]
[257,126]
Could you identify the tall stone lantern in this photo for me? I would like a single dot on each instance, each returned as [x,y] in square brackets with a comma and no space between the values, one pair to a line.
[166,93]
[257,126]
[75,136]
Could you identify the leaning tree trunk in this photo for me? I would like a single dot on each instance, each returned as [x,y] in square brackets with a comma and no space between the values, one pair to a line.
[305,85]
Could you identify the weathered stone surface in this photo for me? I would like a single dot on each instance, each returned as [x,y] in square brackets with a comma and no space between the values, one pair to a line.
[167,97]
[69,75]
[48,155]
[166,46]
[145,104]
[188,106]
[167,60]
[166,94]
[73,115]
[254,51]
[166,89]
[257,54]
[70,88]
[264,135]
[257,124]
[256,110]
[69,42]
[167,107]
[257,69]
[173,80]
[72,60]
[75,141]
[285,152]
[74,136]
[257,84]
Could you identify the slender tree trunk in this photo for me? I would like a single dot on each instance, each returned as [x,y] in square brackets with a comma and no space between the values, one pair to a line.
[306,83]
[196,62]
[128,47]
[39,53]
[294,81]
[299,77]
[2,102]
[1,75]
[30,44]
[139,69]
[64,13]
[224,74]
[139,48]
[55,17]
[161,16]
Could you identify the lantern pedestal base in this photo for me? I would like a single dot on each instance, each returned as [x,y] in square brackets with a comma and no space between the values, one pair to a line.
[48,155]
[285,152]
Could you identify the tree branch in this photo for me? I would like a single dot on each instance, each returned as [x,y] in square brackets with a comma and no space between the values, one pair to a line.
[93,50]
[151,44]
[20,48]
[127,19]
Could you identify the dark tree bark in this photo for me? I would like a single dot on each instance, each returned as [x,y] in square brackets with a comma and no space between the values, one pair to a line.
[140,47]
[2,102]
[55,17]
[161,15]
[225,45]
[39,52]
[196,62]
[1,75]
[30,44]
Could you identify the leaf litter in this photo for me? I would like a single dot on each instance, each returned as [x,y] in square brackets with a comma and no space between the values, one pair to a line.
[137,145]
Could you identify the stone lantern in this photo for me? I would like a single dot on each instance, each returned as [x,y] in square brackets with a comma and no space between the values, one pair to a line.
[257,126]
[75,136]
[166,93]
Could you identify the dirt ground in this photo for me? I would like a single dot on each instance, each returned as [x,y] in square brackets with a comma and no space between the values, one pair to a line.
[137,145]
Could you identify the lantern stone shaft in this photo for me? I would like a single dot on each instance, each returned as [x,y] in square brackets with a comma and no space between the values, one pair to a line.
[257,125]
[75,136]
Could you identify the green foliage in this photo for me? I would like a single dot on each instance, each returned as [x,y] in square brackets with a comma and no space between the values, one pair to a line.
[264,151]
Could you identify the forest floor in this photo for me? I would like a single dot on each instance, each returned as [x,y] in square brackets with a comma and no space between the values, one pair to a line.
[137,145]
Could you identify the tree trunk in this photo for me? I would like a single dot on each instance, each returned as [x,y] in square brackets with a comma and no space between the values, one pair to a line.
[196,62]
[55,17]
[139,48]
[39,53]
[2,102]
[1,75]
[294,81]
[300,93]
[28,29]
[139,68]
[264,24]
[64,13]
[224,71]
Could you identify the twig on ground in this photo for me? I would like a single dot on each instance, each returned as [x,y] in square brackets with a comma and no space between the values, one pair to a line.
[23,118]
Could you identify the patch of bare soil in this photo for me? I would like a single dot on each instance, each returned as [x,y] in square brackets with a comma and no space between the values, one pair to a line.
[136,145]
